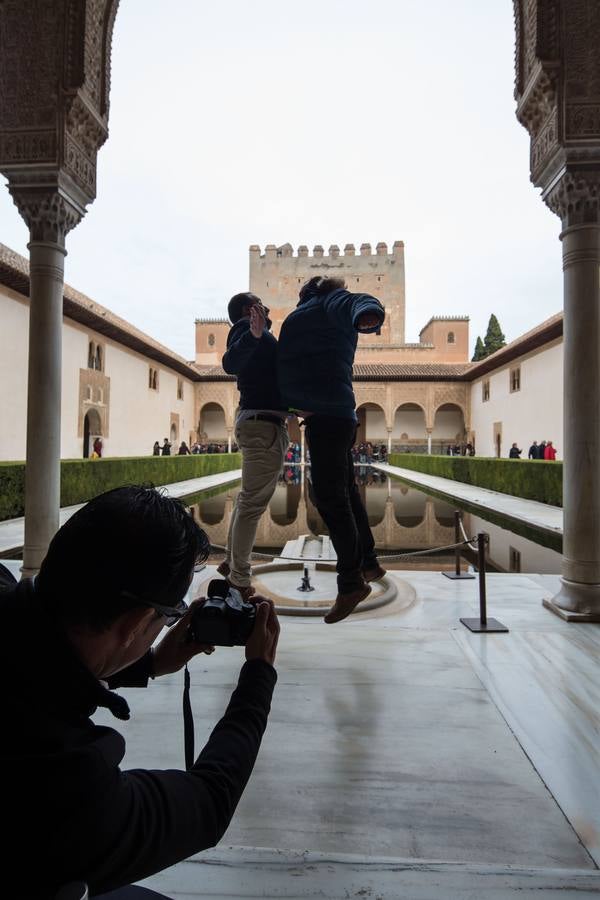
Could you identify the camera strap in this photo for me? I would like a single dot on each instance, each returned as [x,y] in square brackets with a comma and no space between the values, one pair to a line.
[188,722]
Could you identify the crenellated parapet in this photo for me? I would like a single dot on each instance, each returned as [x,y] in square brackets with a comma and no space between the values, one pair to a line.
[286,251]
[278,273]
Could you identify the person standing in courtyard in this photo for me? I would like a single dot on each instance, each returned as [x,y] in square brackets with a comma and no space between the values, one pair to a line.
[317,344]
[184,450]
[534,451]
[156,449]
[550,452]
[166,448]
[260,430]
[514,452]
[98,447]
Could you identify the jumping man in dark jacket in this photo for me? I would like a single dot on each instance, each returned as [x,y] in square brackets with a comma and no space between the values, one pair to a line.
[87,627]
[317,344]
[260,429]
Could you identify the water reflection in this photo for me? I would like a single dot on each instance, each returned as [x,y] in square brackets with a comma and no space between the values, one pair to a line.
[401,517]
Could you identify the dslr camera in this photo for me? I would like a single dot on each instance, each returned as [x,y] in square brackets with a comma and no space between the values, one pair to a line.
[224,619]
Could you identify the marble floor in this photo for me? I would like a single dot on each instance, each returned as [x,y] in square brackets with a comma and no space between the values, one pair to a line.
[539,515]
[405,756]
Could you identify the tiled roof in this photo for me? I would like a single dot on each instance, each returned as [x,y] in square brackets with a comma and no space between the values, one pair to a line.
[410,371]
[14,272]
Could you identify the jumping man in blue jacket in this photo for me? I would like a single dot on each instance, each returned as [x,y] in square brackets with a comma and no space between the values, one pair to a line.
[317,344]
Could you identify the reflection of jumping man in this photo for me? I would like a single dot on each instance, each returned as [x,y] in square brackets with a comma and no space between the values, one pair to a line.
[260,429]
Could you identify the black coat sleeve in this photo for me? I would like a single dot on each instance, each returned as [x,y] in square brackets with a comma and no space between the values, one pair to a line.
[149,820]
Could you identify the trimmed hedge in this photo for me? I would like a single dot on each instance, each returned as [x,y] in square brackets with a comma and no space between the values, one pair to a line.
[82,479]
[530,479]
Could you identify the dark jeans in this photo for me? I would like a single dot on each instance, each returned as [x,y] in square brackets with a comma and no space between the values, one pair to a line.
[330,441]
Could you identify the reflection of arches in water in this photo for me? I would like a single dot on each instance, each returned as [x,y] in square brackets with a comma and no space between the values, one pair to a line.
[92,427]
[373,494]
[211,510]
[284,503]
[444,513]
[409,507]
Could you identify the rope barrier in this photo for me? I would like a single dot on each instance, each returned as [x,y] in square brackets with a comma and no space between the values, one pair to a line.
[383,556]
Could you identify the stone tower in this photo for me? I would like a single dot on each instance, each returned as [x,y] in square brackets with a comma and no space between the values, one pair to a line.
[277,275]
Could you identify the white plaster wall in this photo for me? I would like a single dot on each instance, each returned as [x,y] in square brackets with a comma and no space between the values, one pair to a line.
[212,423]
[534,413]
[138,416]
[14,329]
[376,427]
[448,424]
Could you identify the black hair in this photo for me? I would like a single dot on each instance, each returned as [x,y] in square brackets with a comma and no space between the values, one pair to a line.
[132,540]
[235,307]
[320,287]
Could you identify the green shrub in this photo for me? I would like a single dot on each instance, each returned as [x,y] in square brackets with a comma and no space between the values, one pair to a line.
[82,479]
[530,479]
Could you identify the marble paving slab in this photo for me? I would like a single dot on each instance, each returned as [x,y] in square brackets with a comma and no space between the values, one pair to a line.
[237,872]
[382,740]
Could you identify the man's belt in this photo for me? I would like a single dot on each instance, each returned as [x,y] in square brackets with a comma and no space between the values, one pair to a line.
[263,417]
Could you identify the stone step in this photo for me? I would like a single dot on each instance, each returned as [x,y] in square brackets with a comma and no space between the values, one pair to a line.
[245,872]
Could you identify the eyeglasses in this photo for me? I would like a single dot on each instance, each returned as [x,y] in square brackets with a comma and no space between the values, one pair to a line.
[172,613]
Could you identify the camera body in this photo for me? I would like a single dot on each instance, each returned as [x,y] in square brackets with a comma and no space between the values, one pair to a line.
[224,619]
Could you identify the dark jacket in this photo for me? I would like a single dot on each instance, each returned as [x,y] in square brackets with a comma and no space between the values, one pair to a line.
[534,452]
[72,813]
[254,361]
[514,453]
[317,344]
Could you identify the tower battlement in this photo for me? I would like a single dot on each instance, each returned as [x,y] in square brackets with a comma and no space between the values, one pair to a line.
[278,273]
[286,251]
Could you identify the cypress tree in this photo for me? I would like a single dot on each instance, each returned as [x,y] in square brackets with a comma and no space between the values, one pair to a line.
[479,350]
[494,339]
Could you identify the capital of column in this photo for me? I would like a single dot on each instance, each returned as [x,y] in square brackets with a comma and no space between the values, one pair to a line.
[48,213]
[575,197]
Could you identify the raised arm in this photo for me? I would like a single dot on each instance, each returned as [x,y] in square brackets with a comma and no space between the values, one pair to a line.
[364,312]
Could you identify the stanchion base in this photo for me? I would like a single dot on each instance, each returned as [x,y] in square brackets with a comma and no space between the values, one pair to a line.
[490,627]
[454,577]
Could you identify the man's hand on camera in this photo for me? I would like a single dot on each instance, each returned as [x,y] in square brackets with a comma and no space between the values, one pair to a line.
[257,321]
[175,649]
[262,643]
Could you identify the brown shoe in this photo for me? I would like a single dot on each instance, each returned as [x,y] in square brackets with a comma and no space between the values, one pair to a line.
[223,569]
[246,592]
[346,603]
[376,573]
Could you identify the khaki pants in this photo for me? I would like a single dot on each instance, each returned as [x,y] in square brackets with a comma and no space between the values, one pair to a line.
[263,446]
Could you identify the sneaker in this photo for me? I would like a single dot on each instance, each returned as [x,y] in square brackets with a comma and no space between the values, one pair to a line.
[346,603]
[223,568]
[375,573]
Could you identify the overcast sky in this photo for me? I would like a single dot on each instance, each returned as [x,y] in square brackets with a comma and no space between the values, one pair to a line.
[326,122]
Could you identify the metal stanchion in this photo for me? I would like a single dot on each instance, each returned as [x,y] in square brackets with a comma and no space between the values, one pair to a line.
[483,624]
[457,574]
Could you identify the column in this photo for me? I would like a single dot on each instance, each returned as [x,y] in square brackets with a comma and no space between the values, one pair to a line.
[229,440]
[42,473]
[579,597]
[302,446]
[389,441]
[429,430]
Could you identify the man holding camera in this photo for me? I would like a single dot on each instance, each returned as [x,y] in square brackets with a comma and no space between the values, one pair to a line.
[260,429]
[115,574]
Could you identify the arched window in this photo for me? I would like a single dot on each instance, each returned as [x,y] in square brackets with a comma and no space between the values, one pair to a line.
[88,392]
[99,358]
[91,355]
[211,340]
[155,380]
[450,337]
[99,395]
